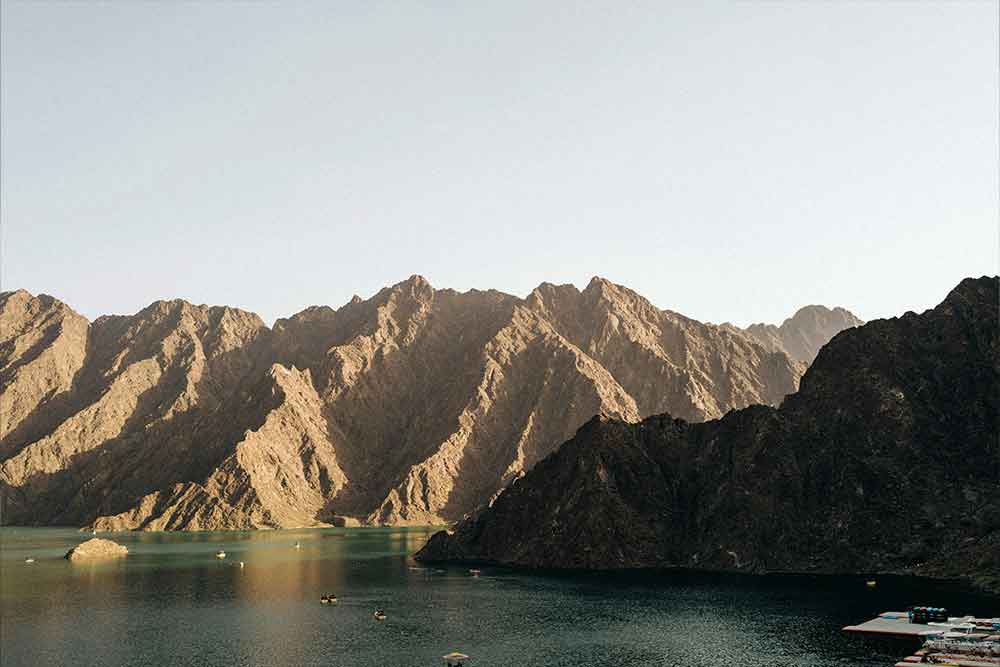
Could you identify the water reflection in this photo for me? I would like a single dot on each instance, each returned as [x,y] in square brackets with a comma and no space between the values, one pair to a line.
[172,602]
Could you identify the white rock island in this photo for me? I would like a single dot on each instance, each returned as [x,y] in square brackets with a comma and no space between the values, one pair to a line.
[96,549]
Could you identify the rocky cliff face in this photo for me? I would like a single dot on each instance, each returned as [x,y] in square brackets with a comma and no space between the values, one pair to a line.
[43,344]
[804,333]
[885,460]
[414,406]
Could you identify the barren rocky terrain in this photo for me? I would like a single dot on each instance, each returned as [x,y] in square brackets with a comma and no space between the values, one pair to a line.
[416,405]
[804,333]
[885,460]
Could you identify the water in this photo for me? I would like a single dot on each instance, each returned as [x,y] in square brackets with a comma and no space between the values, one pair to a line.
[171,602]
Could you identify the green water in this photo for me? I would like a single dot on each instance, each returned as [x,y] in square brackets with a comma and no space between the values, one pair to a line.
[171,602]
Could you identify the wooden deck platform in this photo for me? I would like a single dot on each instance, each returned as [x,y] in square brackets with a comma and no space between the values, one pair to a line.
[893,624]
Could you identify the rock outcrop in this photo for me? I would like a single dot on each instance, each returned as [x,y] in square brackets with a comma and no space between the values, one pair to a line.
[97,549]
[414,406]
[885,460]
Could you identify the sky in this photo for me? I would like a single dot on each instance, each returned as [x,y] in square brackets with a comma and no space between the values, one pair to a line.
[730,161]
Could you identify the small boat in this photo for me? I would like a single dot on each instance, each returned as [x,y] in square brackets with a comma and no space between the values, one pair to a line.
[220,554]
[475,573]
[379,615]
[29,561]
[328,599]
[298,546]
[241,565]
[871,584]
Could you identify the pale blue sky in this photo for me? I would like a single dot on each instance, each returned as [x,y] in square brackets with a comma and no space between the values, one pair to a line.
[732,161]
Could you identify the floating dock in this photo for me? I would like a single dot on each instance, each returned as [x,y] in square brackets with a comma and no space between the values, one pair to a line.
[945,659]
[894,624]
[962,641]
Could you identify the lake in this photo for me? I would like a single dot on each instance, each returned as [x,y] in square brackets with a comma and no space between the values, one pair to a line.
[172,602]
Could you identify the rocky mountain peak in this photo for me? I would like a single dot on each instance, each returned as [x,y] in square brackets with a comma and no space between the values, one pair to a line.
[414,405]
[21,303]
[43,344]
[549,296]
[602,289]
[598,283]
[822,316]
[972,291]
[804,333]
[416,286]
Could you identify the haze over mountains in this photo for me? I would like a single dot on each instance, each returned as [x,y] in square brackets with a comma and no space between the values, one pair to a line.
[885,460]
[804,333]
[414,406]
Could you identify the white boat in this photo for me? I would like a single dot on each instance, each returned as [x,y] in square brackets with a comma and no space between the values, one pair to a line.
[29,560]
[220,554]
[955,626]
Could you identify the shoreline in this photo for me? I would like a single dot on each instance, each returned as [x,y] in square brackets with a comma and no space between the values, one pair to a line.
[971,583]
[986,584]
[227,530]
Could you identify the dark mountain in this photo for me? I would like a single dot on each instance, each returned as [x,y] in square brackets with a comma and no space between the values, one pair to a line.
[885,460]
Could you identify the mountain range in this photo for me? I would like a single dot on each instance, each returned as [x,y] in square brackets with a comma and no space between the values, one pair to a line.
[886,460]
[414,406]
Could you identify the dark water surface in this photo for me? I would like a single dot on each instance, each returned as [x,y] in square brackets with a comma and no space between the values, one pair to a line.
[171,602]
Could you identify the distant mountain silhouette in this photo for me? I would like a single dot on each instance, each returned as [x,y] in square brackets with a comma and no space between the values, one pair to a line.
[804,333]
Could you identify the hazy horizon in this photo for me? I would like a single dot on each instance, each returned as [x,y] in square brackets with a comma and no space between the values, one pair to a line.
[732,162]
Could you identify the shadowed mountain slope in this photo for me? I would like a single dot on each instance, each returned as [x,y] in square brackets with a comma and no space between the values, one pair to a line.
[886,460]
